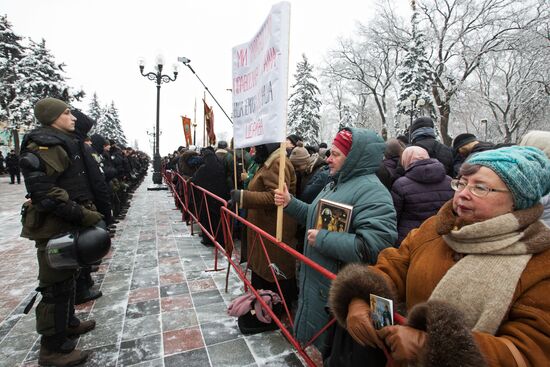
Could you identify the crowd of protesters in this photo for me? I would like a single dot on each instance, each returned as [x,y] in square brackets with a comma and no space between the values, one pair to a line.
[426,218]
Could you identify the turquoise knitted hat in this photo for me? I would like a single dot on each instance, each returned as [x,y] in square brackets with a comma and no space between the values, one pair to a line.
[524,170]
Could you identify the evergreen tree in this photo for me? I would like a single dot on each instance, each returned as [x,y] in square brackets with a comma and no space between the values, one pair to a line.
[304,116]
[48,76]
[39,77]
[108,122]
[95,111]
[415,76]
[117,131]
[103,124]
[11,52]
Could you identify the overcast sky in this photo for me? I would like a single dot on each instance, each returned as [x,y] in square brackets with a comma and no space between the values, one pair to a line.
[101,41]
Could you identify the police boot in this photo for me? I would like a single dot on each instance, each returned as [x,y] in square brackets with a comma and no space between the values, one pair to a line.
[81,328]
[58,342]
[49,357]
[86,294]
[84,291]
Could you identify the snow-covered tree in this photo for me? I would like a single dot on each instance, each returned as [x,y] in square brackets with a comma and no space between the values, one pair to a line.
[11,52]
[462,34]
[368,61]
[118,133]
[107,122]
[101,126]
[39,76]
[95,111]
[509,84]
[48,76]
[304,104]
[415,75]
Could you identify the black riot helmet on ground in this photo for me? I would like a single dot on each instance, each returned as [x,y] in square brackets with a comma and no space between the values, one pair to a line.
[76,249]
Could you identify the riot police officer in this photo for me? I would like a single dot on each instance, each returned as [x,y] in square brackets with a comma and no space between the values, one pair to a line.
[60,202]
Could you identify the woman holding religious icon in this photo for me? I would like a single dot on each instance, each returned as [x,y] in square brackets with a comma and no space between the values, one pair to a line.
[356,154]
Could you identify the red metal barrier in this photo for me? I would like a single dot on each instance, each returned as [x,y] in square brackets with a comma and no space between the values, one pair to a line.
[227,218]
[190,196]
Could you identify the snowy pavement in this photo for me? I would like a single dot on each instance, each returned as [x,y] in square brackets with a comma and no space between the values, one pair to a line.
[160,307]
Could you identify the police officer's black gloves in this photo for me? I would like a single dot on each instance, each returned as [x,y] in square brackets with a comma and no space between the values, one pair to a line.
[70,211]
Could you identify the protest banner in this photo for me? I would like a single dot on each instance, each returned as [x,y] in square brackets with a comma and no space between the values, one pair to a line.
[260,82]
[260,89]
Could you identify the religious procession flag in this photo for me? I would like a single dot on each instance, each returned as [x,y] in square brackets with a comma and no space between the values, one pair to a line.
[186,122]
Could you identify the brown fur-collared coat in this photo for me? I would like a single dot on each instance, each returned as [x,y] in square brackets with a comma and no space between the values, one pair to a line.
[411,273]
[262,211]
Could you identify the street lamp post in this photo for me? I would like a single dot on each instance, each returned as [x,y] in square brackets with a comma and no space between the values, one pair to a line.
[484,122]
[194,132]
[158,78]
[153,134]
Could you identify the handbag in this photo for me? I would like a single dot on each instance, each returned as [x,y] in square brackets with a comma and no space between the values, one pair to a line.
[252,318]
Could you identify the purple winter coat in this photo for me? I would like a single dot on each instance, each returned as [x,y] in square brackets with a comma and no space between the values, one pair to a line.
[419,194]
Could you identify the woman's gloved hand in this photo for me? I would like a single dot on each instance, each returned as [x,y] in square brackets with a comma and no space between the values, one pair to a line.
[404,342]
[360,326]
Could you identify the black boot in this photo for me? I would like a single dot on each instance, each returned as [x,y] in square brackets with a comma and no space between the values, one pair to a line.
[84,290]
[86,295]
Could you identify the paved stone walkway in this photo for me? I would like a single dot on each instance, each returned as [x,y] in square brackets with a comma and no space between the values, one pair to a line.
[160,305]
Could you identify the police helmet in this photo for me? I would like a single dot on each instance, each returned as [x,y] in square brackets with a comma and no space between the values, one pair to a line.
[76,249]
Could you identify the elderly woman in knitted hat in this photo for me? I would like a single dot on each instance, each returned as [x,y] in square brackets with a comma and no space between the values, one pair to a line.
[474,278]
[356,154]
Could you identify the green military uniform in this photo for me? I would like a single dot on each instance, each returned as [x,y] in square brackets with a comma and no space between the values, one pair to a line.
[41,226]
[60,202]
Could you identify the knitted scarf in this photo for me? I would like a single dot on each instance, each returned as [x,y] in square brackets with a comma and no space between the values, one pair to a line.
[497,250]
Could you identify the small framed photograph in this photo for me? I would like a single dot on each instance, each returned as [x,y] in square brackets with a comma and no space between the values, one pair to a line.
[381,311]
[333,216]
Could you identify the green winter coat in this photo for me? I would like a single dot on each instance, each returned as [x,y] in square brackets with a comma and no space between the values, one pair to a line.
[373,228]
